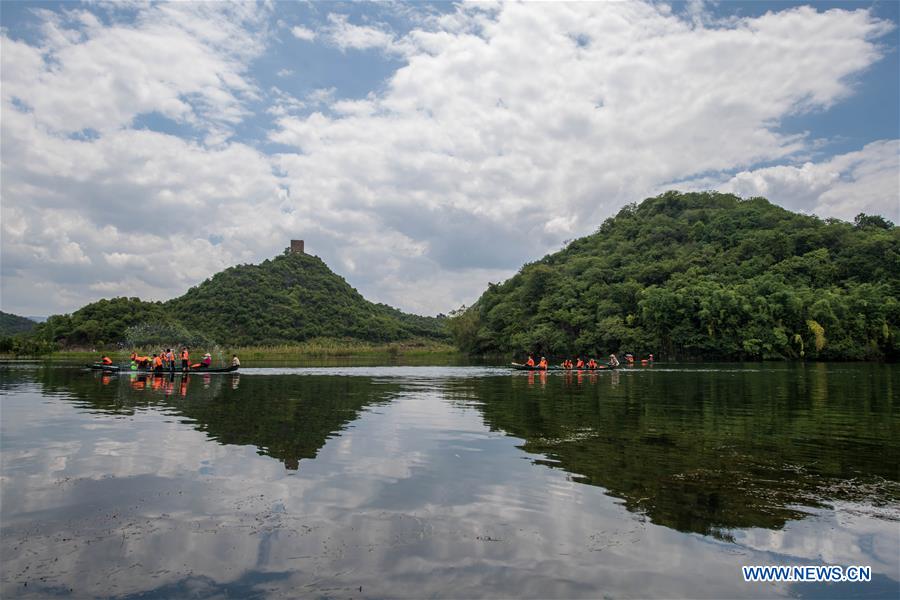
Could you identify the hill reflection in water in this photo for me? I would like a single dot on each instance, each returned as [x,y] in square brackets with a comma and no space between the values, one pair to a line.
[699,450]
[410,481]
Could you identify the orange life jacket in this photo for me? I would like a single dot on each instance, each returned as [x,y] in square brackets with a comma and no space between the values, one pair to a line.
[579,364]
[530,362]
[542,364]
[184,355]
[107,360]
[157,361]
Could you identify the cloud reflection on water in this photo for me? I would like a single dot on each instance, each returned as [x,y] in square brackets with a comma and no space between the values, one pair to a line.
[407,493]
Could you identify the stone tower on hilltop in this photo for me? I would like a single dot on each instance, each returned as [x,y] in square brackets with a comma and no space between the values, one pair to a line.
[296,247]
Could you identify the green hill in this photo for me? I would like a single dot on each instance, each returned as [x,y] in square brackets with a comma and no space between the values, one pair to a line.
[11,324]
[702,275]
[290,298]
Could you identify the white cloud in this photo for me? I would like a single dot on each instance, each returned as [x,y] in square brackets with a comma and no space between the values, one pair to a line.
[345,35]
[185,61]
[864,181]
[133,204]
[509,128]
[303,33]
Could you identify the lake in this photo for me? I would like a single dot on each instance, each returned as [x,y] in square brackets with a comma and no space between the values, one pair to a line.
[448,482]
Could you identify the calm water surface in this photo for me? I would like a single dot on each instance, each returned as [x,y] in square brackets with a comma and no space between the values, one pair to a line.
[448,481]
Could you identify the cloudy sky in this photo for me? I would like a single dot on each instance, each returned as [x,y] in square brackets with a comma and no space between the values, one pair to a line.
[422,150]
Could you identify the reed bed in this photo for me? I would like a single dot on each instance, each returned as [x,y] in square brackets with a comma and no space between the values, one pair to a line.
[315,348]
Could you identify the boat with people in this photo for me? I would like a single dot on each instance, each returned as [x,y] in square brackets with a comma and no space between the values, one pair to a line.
[198,371]
[579,364]
[144,370]
[522,367]
[165,363]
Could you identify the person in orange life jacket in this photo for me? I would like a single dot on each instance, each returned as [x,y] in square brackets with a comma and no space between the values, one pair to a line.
[185,359]
[530,361]
[106,360]
[157,363]
[592,364]
[543,363]
[579,364]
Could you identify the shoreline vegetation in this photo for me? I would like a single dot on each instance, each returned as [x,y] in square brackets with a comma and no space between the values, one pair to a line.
[317,348]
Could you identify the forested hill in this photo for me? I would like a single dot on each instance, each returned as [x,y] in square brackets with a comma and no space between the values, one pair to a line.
[702,275]
[290,298]
[11,324]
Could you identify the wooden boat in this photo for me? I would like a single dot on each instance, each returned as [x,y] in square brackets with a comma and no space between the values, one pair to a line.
[145,371]
[180,372]
[521,367]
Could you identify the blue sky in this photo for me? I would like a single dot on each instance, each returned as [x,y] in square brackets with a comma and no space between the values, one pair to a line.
[416,147]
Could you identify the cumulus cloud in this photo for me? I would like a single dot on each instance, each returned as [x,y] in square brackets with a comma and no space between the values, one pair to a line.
[843,186]
[507,129]
[346,35]
[131,204]
[185,61]
[303,33]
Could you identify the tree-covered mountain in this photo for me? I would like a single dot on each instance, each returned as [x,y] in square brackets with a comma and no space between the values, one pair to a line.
[290,298]
[11,324]
[702,275]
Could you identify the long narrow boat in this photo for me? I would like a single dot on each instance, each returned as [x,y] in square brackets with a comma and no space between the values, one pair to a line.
[521,367]
[180,372]
[118,369]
